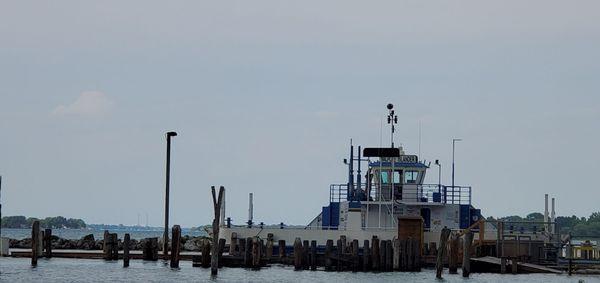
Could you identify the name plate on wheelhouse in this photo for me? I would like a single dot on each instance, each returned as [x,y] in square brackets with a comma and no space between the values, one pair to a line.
[408,159]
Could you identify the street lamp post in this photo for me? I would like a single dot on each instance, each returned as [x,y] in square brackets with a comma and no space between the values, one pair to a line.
[437,162]
[453,146]
[168,176]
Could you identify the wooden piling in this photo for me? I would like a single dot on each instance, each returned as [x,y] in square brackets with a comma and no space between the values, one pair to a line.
[410,255]
[248,252]
[389,255]
[328,254]
[175,245]
[439,265]
[281,247]
[502,265]
[150,249]
[382,255]
[366,256]
[340,255]
[514,265]
[222,243]
[417,254]
[217,202]
[233,244]
[114,255]
[466,264]
[355,259]
[48,243]
[206,254]
[313,255]
[305,254]
[297,254]
[35,239]
[344,243]
[256,253]
[453,254]
[242,247]
[396,251]
[269,251]
[105,245]
[375,254]
[126,240]
[403,255]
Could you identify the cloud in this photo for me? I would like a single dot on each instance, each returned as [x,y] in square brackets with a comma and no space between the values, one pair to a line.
[89,103]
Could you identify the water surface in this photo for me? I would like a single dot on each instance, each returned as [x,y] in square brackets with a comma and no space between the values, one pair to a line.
[86,270]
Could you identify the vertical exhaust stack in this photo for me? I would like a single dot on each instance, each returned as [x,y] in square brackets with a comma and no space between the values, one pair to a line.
[250,210]
[546,212]
[553,218]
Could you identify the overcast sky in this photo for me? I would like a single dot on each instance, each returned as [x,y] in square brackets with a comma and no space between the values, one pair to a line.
[266,95]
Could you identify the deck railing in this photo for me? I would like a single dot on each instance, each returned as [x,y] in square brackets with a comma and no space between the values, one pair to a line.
[425,193]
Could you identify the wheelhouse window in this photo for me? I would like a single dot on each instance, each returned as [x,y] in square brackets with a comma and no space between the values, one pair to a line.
[411,177]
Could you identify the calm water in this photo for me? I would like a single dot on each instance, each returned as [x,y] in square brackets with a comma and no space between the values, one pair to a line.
[98,234]
[73,270]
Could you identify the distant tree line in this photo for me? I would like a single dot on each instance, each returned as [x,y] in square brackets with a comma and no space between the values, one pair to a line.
[48,222]
[577,226]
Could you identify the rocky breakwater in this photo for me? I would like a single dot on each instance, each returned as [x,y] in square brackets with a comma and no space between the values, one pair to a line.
[88,242]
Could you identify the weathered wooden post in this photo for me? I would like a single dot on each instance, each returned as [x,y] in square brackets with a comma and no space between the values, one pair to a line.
[403,255]
[217,202]
[297,254]
[222,243]
[269,251]
[281,247]
[114,246]
[255,253]
[313,255]
[105,245]
[410,255]
[248,252]
[453,254]
[35,239]
[514,265]
[126,240]
[389,256]
[206,254]
[175,245]
[233,244]
[305,254]
[328,251]
[396,259]
[355,259]
[466,265]
[375,253]
[366,256]
[439,265]
[503,265]
[417,254]
[48,243]
[382,255]
[242,247]
[154,248]
[340,255]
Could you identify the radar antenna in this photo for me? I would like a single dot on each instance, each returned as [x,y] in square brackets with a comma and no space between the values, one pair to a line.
[392,120]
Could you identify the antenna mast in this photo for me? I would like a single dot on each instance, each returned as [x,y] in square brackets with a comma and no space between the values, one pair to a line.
[392,119]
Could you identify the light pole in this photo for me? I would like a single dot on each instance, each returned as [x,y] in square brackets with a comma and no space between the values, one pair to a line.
[168,173]
[437,162]
[453,146]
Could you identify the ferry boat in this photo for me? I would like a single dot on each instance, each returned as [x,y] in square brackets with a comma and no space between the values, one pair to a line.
[387,199]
